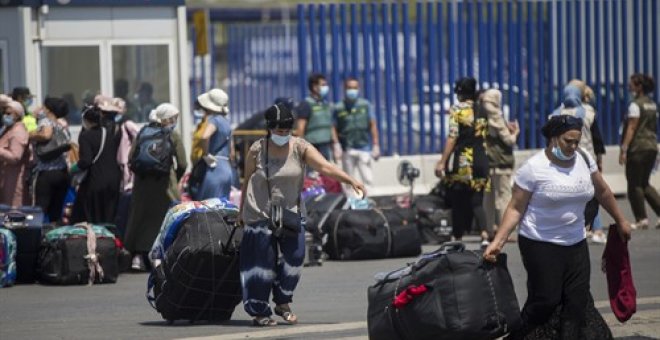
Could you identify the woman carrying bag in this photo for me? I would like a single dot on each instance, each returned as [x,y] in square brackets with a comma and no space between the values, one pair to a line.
[273,216]
[98,188]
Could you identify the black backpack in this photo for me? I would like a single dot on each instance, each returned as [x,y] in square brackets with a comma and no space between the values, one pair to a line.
[153,152]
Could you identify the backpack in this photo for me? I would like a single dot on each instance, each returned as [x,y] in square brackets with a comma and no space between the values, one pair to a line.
[153,152]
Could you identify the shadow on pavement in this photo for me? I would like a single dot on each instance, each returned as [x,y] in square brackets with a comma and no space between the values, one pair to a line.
[186,323]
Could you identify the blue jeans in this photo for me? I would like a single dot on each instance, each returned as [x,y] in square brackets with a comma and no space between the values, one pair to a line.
[263,270]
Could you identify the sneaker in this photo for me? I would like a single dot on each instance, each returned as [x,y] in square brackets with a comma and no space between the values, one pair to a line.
[641,224]
[598,238]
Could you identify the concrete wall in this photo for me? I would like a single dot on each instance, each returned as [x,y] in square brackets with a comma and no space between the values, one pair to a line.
[386,183]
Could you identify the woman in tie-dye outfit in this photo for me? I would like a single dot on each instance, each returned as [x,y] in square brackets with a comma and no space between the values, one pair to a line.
[274,169]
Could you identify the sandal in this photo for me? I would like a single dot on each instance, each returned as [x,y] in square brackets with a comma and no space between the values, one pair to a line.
[286,314]
[263,322]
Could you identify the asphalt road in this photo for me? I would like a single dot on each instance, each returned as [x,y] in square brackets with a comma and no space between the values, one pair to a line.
[330,301]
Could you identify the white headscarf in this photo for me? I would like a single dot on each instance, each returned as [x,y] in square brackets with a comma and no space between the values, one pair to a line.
[18,107]
[163,112]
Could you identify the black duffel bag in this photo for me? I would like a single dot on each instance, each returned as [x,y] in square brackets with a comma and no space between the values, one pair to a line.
[448,294]
[358,235]
[66,261]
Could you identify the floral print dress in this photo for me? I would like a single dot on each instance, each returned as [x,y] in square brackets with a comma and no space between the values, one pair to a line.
[470,162]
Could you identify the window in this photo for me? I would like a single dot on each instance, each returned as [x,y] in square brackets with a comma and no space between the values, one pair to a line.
[72,73]
[141,77]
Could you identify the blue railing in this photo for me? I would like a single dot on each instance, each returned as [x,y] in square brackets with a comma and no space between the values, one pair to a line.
[408,57]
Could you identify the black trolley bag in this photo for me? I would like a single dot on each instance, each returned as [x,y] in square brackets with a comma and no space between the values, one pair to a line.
[358,235]
[199,277]
[26,223]
[464,297]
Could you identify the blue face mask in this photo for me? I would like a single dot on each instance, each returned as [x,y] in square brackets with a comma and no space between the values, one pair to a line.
[323,91]
[41,115]
[352,94]
[280,140]
[27,102]
[7,120]
[560,155]
[117,118]
[171,127]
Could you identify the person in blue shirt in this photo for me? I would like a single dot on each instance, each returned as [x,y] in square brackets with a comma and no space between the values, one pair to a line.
[217,145]
[357,132]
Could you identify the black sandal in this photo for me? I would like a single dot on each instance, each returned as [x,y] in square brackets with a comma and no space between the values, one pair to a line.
[263,322]
[286,314]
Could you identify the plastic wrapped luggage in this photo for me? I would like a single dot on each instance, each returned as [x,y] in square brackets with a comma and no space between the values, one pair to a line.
[358,235]
[196,264]
[79,254]
[7,258]
[448,294]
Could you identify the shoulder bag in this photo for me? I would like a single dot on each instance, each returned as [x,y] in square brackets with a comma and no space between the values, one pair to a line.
[80,176]
[283,222]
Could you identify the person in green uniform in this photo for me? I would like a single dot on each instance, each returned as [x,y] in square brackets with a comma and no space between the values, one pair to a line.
[315,117]
[23,96]
[357,131]
[639,148]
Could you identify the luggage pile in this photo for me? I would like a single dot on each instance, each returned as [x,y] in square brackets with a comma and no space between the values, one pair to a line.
[195,261]
[451,293]
[32,251]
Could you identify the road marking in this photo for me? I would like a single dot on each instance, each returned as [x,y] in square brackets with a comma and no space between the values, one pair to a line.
[644,322]
[288,331]
[640,301]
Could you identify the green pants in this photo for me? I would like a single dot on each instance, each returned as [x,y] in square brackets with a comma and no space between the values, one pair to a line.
[638,170]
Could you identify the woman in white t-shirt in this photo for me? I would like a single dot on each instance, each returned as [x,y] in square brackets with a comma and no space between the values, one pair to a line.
[548,200]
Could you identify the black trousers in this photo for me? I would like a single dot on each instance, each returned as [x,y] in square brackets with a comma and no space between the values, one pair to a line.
[466,205]
[638,171]
[556,275]
[49,192]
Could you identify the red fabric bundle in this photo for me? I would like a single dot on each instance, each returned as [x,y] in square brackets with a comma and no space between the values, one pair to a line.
[408,295]
[620,286]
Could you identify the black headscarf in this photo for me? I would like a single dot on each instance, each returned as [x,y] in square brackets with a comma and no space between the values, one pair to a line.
[279,116]
[559,124]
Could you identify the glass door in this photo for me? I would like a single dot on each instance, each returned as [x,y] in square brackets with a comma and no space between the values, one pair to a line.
[72,73]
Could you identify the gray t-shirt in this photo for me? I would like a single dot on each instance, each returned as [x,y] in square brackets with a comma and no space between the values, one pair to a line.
[285,182]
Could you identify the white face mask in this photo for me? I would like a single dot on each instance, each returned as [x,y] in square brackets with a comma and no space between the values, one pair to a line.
[280,140]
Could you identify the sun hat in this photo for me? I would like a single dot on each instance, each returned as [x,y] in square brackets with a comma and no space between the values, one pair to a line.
[215,100]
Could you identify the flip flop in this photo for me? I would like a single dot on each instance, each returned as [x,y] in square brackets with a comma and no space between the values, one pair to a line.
[263,322]
[286,314]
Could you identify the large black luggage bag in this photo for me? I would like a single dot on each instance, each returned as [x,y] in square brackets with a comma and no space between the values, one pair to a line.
[449,294]
[433,219]
[64,261]
[358,235]
[199,278]
[406,240]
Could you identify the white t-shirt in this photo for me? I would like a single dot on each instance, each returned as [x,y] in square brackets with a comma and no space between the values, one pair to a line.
[556,209]
[633,111]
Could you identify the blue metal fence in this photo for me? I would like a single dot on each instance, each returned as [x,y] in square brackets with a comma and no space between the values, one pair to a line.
[408,57]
